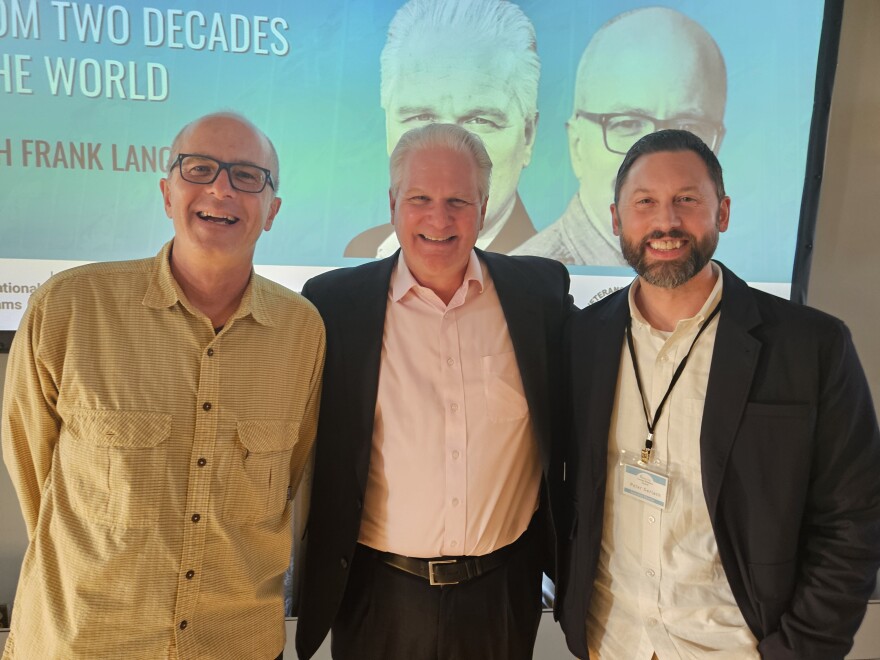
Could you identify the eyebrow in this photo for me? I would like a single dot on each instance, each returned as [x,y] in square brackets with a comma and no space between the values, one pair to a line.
[473,112]
[643,190]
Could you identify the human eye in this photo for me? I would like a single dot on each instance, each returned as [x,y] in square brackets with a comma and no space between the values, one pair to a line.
[628,125]
[199,167]
[420,118]
[459,203]
[247,174]
[480,122]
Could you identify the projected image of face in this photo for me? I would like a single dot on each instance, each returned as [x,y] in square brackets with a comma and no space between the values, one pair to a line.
[645,70]
[443,77]
[217,219]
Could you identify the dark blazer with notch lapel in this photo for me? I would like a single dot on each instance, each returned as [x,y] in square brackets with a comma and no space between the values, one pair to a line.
[790,453]
[533,293]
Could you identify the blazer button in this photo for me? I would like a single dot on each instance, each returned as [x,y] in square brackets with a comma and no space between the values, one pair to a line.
[343,562]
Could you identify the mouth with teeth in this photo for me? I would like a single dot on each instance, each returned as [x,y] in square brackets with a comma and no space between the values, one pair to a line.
[437,239]
[217,219]
[666,244]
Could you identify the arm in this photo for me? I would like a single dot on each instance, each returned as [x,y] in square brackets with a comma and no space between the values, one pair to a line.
[31,423]
[840,533]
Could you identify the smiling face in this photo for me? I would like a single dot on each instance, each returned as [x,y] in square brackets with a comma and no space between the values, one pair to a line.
[437,215]
[443,78]
[215,220]
[669,217]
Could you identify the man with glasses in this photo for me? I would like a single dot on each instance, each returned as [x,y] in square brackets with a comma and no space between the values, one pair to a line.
[158,415]
[645,70]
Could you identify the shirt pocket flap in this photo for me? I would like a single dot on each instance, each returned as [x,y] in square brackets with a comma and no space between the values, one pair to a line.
[128,429]
[262,436]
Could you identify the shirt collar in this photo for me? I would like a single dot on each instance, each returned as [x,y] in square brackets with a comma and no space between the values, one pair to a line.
[708,307]
[402,279]
[163,291]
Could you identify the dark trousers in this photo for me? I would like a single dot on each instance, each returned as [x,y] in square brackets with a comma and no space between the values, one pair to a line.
[387,614]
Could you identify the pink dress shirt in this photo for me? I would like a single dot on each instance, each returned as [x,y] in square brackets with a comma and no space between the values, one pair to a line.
[454,468]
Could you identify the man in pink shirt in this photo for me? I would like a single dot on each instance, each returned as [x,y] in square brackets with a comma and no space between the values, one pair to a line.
[436,463]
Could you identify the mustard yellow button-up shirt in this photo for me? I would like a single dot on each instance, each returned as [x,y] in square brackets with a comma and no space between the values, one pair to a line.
[155,461]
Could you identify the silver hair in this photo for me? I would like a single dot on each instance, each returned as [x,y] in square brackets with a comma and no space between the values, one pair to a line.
[448,136]
[274,165]
[497,21]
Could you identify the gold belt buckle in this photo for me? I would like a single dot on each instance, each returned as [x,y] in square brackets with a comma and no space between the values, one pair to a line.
[432,564]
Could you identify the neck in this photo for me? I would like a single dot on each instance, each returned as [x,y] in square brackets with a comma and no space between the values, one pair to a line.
[663,308]
[213,286]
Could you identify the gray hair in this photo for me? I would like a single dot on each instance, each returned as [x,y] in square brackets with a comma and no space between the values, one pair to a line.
[274,165]
[496,21]
[448,136]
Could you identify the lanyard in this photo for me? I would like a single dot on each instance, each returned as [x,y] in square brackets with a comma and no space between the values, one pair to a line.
[649,441]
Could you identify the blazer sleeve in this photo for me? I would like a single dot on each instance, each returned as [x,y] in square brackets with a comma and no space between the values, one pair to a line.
[840,533]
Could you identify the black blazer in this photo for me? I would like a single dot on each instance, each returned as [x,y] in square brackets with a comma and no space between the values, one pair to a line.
[534,297]
[790,456]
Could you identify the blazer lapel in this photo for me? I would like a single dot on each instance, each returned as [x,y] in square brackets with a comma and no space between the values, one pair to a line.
[362,357]
[734,359]
[603,371]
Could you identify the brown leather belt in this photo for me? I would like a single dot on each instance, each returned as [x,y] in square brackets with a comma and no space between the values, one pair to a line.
[448,570]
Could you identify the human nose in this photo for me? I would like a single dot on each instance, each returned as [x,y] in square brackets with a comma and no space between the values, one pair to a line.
[667,216]
[222,183]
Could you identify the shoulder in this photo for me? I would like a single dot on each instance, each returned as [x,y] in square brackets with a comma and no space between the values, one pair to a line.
[775,312]
[103,278]
[612,304]
[329,286]
[288,303]
[368,241]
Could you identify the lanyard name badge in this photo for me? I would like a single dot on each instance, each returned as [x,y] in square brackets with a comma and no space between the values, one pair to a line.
[650,485]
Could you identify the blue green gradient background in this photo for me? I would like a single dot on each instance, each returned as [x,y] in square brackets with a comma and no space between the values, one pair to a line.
[320,105]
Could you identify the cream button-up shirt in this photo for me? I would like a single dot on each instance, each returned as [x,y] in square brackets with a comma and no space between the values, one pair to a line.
[660,587]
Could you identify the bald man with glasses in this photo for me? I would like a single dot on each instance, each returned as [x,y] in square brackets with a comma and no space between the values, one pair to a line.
[644,70]
[157,418]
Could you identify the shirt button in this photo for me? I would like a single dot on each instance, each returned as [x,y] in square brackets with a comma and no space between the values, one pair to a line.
[456,454]
[210,352]
[455,501]
[652,519]
[202,463]
[454,544]
[454,407]
[650,572]
[664,358]
[190,574]
[196,517]
[652,621]
[450,361]
[206,406]
[183,625]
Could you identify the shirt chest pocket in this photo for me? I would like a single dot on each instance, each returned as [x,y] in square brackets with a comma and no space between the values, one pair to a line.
[502,385]
[259,475]
[112,465]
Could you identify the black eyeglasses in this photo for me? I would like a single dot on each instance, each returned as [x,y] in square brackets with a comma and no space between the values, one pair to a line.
[623,130]
[196,168]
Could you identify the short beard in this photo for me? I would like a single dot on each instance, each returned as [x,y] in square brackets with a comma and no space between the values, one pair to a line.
[670,274]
